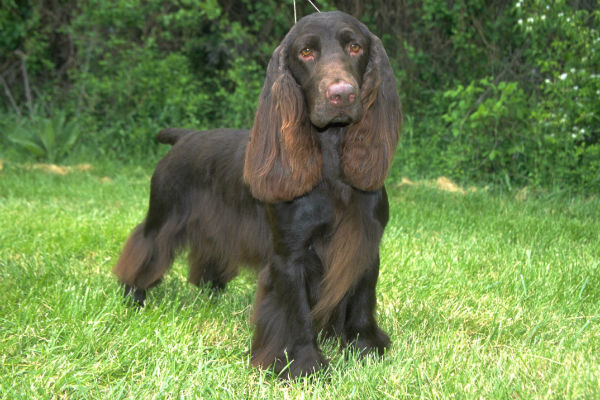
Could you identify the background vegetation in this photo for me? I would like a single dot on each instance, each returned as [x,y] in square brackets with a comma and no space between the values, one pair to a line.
[493,91]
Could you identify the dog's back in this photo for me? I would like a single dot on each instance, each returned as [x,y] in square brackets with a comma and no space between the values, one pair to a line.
[172,135]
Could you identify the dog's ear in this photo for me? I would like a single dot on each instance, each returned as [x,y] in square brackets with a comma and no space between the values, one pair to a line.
[283,158]
[369,144]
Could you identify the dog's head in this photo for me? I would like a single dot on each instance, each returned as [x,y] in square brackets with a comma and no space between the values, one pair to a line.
[329,70]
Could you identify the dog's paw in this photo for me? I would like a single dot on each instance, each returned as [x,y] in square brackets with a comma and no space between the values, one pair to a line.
[306,363]
[375,343]
[137,296]
[301,362]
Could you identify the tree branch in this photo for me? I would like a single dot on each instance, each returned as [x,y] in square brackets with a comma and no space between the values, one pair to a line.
[22,56]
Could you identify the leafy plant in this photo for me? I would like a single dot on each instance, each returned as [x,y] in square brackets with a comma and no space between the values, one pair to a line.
[49,139]
[487,121]
[495,91]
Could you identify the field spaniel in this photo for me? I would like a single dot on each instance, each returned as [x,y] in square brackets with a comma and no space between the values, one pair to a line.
[300,197]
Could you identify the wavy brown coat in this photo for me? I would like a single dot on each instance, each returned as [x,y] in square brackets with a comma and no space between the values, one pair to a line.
[301,196]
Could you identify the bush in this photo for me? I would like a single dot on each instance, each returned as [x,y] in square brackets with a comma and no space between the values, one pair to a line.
[535,121]
[492,91]
[174,68]
[46,138]
[138,66]
[565,50]
[487,131]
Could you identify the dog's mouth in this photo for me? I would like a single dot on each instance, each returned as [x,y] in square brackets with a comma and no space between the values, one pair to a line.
[336,117]
[341,118]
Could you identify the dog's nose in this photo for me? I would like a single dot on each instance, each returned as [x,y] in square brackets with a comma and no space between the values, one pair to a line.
[341,94]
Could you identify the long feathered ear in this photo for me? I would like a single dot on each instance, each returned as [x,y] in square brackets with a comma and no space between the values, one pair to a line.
[283,158]
[369,144]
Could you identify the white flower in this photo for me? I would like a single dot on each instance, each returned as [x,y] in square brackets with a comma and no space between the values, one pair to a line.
[563,76]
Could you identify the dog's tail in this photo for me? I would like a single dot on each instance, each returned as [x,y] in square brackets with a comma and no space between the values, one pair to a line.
[172,135]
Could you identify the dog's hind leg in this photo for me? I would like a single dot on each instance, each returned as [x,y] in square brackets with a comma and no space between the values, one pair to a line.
[137,295]
[209,268]
[147,255]
[134,258]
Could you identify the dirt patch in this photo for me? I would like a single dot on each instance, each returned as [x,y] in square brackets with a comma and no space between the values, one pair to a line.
[61,169]
[441,183]
[83,167]
[405,182]
[51,168]
[447,185]
[523,194]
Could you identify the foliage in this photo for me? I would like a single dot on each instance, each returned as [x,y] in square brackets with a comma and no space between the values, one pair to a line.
[138,66]
[488,125]
[46,138]
[565,45]
[495,91]
[523,112]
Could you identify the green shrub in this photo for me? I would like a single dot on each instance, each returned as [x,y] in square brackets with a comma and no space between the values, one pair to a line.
[565,50]
[492,91]
[535,121]
[45,138]
[487,131]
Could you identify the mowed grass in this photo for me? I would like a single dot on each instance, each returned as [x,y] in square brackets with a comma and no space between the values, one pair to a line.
[483,295]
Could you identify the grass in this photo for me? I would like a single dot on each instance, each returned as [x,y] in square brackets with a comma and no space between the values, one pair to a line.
[483,295]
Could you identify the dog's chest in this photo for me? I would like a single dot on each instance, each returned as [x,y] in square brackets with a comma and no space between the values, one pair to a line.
[331,152]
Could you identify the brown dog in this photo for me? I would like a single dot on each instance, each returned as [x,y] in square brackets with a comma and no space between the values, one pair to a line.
[300,197]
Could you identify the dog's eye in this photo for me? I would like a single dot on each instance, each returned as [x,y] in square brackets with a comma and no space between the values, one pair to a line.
[306,53]
[355,48]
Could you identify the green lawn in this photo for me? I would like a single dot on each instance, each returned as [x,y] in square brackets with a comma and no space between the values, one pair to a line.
[483,295]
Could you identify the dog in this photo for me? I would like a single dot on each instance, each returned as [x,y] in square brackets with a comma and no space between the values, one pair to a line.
[300,197]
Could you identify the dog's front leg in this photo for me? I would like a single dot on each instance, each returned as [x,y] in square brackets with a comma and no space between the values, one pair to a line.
[361,329]
[284,330]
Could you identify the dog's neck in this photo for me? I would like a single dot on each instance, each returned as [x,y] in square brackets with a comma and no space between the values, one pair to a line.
[331,151]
